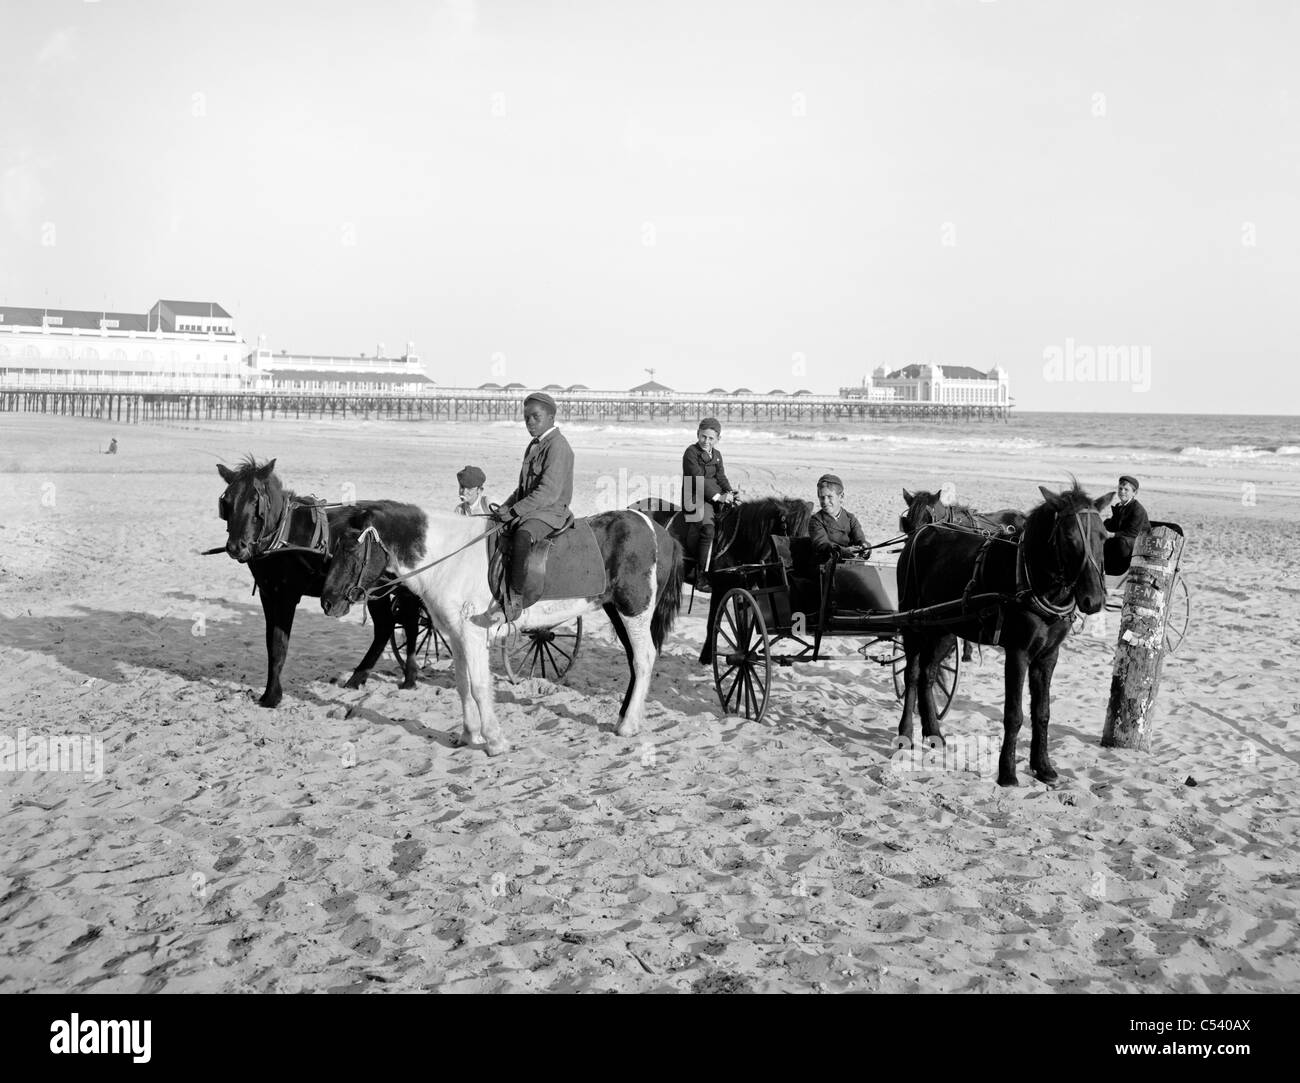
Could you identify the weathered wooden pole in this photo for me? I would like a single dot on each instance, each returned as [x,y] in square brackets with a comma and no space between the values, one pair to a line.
[1140,652]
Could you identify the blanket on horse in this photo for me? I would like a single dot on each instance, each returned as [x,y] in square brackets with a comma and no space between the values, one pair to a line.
[568,564]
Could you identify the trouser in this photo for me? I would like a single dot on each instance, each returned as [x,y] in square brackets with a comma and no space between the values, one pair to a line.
[699,538]
[525,534]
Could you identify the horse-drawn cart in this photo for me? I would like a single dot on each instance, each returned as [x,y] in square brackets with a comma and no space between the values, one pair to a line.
[796,601]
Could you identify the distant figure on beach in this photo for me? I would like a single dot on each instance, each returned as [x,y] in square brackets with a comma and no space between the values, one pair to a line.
[705,488]
[833,528]
[539,505]
[1127,520]
[112,447]
[472,501]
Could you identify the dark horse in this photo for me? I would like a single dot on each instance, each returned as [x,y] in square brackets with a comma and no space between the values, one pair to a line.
[744,536]
[1018,593]
[254,506]
[924,507]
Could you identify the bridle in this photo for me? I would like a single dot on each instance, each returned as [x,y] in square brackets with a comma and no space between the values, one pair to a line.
[1058,584]
[274,537]
[367,539]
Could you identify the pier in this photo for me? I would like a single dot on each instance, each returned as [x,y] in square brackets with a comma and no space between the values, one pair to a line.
[463,404]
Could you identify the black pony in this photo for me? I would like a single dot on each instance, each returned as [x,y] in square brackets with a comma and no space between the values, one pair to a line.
[924,507]
[280,538]
[744,536]
[1019,593]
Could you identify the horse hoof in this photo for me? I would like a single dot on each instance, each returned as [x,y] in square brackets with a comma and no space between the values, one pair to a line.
[498,748]
[901,742]
[628,729]
[1008,780]
[406,686]
[269,700]
[1047,775]
[355,682]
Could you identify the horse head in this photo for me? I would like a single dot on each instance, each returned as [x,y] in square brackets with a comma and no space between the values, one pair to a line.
[357,561]
[920,510]
[1063,542]
[251,505]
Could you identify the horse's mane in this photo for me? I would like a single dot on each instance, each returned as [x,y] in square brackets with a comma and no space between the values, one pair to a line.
[246,472]
[1069,500]
[758,517]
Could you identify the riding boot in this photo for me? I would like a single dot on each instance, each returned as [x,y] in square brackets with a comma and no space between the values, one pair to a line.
[702,551]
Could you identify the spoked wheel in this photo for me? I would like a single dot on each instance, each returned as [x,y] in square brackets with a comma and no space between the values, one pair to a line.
[949,674]
[426,636]
[545,652]
[742,664]
[1178,613]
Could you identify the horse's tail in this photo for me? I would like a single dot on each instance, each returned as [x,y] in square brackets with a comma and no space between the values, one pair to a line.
[670,588]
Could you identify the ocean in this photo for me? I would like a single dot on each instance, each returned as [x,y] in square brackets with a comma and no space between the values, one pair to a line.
[1264,441]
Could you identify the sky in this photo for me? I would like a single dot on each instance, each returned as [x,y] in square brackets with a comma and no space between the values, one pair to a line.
[759,193]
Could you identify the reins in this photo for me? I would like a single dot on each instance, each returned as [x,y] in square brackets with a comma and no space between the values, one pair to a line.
[373,593]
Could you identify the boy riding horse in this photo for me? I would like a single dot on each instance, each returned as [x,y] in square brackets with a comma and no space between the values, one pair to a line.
[539,505]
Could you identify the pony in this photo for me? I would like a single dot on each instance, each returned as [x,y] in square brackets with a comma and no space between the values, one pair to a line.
[259,513]
[923,507]
[744,536]
[1018,593]
[444,560]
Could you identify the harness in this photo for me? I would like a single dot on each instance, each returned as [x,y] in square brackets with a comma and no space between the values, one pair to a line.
[356,592]
[1028,594]
[275,539]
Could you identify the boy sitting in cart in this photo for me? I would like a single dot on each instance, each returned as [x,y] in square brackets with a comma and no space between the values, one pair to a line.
[834,530]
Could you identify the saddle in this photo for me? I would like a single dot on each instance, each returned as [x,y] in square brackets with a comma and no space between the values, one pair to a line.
[567,563]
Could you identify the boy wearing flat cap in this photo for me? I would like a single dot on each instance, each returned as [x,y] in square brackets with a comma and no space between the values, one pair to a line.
[472,501]
[539,505]
[705,488]
[834,529]
[1127,520]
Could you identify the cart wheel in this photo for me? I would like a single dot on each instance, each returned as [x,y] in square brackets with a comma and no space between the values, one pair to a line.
[949,672]
[1178,612]
[742,666]
[546,652]
[424,638]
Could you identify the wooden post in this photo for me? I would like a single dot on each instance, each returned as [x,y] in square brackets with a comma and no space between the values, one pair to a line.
[1140,652]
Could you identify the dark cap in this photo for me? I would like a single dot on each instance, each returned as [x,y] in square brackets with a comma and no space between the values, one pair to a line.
[471,478]
[710,423]
[543,398]
[1130,479]
[830,479]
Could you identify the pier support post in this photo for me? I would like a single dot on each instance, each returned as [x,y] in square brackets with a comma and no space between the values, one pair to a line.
[1140,652]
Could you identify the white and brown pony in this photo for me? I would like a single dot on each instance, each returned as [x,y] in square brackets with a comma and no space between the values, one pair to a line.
[444,559]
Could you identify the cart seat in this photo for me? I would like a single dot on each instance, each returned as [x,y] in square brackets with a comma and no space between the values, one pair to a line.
[859,587]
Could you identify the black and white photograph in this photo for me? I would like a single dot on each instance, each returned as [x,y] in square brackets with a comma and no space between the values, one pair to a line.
[560,496]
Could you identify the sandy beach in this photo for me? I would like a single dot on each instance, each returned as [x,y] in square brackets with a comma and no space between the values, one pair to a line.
[341,842]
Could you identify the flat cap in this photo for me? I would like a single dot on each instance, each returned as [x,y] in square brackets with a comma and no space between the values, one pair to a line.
[710,423]
[1130,479]
[543,398]
[471,478]
[830,479]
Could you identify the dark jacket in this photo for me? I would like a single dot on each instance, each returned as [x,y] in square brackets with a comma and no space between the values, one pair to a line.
[545,483]
[829,531]
[1126,522]
[714,478]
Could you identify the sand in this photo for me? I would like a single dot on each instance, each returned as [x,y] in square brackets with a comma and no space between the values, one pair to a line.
[341,842]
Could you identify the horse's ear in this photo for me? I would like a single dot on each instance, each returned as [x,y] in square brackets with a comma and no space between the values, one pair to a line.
[265,472]
[227,475]
[1048,495]
[908,498]
[1103,502]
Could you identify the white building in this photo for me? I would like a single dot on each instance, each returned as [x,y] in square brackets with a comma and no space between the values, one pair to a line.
[286,372]
[954,385]
[175,346]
